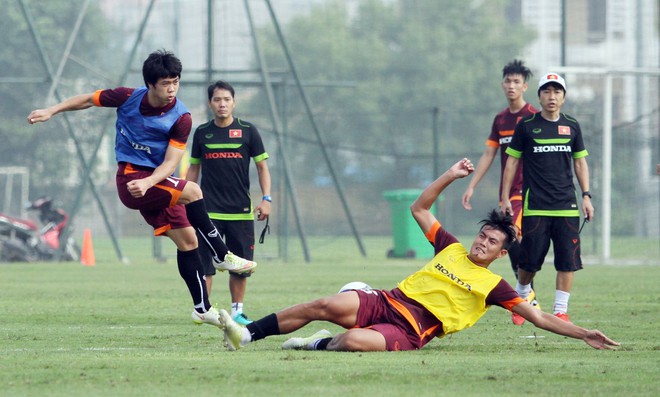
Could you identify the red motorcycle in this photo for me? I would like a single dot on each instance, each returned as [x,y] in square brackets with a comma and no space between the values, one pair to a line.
[21,240]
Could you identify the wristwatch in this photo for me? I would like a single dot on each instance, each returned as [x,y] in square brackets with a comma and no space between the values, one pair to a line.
[267,198]
[586,193]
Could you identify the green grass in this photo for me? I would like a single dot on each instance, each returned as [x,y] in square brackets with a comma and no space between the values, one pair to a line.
[125,330]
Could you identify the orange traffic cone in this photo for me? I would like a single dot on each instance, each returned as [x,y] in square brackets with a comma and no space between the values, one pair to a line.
[87,256]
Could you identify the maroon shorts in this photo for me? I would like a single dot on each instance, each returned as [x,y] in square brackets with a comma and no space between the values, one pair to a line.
[393,314]
[158,206]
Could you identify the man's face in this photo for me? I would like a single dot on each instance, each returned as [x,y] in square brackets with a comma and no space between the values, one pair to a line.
[514,86]
[165,89]
[222,103]
[551,98]
[487,246]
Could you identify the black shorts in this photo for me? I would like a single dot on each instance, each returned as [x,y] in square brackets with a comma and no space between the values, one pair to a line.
[239,238]
[538,231]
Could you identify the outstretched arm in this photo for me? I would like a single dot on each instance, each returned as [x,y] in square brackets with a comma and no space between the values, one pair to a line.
[78,102]
[138,187]
[483,165]
[263,208]
[421,208]
[193,173]
[582,174]
[548,322]
[507,181]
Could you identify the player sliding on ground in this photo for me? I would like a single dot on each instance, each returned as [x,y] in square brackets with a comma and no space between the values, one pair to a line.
[448,294]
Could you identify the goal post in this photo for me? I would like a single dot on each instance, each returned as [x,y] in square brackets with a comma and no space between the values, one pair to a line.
[15,182]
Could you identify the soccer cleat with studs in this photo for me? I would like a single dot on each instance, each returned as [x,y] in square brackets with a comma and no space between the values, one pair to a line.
[211,317]
[233,331]
[242,319]
[235,264]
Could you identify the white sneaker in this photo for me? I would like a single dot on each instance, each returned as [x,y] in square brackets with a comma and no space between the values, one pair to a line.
[236,264]
[233,331]
[210,317]
[306,343]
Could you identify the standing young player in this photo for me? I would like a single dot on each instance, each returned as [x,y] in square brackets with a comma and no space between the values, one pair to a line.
[549,142]
[221,152]
[514,84]
[152,130]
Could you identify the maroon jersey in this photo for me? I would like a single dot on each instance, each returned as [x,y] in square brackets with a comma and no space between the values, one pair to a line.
[500,136]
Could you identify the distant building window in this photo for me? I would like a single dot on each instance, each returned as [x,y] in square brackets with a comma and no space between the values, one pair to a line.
[513,12]
[597,20]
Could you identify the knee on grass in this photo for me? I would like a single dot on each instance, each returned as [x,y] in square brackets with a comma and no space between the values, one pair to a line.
[356,340]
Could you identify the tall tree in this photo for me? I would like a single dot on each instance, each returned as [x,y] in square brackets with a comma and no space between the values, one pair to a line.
[48,154]
[385,65]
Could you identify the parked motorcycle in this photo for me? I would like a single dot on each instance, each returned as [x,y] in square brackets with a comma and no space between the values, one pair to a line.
[21,240]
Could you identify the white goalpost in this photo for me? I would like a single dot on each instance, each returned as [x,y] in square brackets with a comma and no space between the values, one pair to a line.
[16,185]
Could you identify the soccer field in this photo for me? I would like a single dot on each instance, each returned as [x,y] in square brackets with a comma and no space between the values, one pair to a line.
[125,330]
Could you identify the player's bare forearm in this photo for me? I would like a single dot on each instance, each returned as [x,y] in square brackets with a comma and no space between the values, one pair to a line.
[508,175]
[138,187]
[459,170]
[548,322]
[482,167]
[264,177]
[582,175]
[163,171]
[421,206]
[193,173]
[507,180]
[593,338]
[78,102]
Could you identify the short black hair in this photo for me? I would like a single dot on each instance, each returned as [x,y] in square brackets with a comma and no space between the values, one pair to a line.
[516,67]
[160,64]
[220,85]
[502,222]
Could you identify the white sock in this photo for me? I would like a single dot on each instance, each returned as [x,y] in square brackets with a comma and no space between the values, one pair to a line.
[312,345]
[523,290]
[246,337]
[561,301]
[236,308]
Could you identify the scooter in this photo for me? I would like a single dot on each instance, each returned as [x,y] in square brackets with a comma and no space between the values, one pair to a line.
[21,240]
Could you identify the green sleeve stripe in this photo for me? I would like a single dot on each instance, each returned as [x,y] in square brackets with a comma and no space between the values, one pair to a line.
[243,123]
[580,154]
[195,161]
[513,153]
[261,157]
[223,145]
[553,141]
